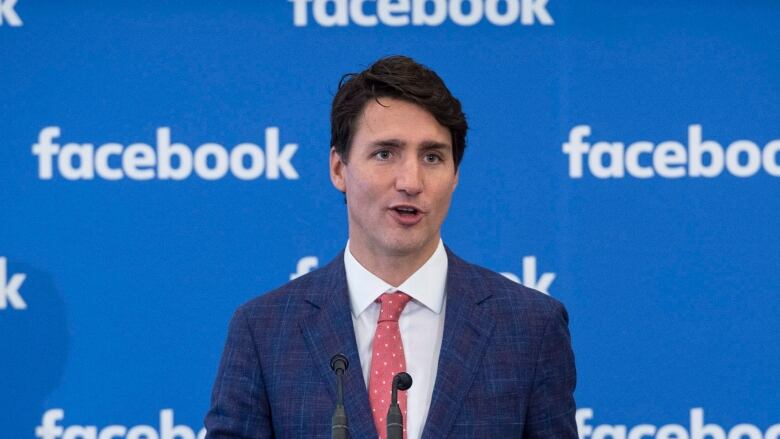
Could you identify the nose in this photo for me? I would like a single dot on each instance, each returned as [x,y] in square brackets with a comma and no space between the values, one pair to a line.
[409,178]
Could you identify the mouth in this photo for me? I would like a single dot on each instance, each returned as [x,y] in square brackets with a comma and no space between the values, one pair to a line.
[407,214]
[406,210]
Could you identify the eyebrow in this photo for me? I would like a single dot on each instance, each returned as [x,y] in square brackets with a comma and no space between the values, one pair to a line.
[430,144]
[397,143]
[388,143]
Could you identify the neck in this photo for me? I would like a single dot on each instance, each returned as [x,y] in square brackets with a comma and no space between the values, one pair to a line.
[393,268]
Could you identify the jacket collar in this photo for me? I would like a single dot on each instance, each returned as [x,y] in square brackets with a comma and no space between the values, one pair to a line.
[328,331]
[467,330]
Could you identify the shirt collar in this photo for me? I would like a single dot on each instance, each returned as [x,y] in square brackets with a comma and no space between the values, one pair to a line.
[426,285]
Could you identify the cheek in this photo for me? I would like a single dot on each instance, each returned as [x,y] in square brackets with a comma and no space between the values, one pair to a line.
[445,192]
[444,207]
[364,184]
[359,191]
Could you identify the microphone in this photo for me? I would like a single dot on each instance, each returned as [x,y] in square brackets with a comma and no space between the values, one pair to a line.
[395,419]
[339,427]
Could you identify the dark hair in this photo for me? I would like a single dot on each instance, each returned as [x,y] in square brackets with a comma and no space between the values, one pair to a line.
[398,77]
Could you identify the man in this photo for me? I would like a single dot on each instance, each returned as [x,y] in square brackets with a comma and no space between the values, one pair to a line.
[489,357]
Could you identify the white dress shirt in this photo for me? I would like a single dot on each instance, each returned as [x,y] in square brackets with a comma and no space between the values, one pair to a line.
[421,324]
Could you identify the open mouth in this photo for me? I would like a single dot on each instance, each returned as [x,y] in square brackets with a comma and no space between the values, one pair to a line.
[406,211]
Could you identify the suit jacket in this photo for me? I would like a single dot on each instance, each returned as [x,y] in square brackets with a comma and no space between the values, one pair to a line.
[506,367]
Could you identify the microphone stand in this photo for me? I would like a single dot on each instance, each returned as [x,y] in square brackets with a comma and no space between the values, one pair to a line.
[339,427]
[395,419]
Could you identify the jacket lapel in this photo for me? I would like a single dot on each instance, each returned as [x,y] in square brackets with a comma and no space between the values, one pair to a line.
[467,330]
[328,331]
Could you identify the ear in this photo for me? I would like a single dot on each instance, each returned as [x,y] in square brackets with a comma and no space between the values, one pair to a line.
[337,170]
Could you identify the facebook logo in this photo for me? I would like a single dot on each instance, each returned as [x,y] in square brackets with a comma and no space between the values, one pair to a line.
[8,14]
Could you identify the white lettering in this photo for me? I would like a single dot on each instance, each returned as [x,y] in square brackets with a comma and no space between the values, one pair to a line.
[329,13]
[80,432]
[142,432]
[614,151]
[9,289]
[168,161]
[582,416]
[700,431]
[256,161]
[393,12]
[745,431]
[220,156]
[529,276]
[771,165]
[8,14]
[45,150]
[166,151]
[278,162]
[753,154]
[167,429]
[49,428]
[667,158]
[633,166]
[773,432]
[670,159]
[510,16]
[170,431]
[299,12]
[113,432]
[641,431]
[138,161]
[696,167]
[420,16]
[358,16]
[697,430]
[102,167]
[542,283]
[575,149]
[339,16]
[305,265]
[672,431]
[85,168]
[459,17]
[536,9]
[610,431]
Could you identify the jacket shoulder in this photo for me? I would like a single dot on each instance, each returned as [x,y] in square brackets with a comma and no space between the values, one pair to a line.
[294,293]
[508,293]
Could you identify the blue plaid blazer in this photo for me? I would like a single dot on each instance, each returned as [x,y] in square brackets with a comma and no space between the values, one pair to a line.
[506,367]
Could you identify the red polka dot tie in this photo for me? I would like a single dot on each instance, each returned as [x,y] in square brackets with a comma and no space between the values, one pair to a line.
[387,359]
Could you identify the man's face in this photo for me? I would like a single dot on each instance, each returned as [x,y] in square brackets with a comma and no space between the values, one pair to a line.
[398,178]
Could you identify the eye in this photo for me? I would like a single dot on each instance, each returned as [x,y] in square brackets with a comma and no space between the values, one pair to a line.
[382,155]
[432,158]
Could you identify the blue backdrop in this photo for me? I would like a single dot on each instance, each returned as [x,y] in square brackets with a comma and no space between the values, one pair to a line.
[121,266]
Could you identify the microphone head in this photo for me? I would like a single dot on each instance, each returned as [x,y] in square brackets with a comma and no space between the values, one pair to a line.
[403,381]
[339,363]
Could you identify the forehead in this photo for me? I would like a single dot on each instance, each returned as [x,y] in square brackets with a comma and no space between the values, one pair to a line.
[399,120]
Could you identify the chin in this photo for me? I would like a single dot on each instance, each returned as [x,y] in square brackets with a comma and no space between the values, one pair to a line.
[405,247]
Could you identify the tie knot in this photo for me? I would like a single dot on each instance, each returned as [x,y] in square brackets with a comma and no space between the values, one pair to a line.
[392,305]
